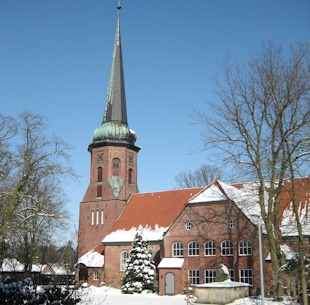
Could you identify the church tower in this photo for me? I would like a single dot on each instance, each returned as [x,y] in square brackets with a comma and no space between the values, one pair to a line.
[113,169]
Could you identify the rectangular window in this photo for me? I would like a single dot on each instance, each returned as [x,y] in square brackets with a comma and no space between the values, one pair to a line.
[92,217]
[210,276]
[194,277]
[96,275]
[231,274]
[102,217]
[124,260]
[246,276]
[99,190]
[97,217]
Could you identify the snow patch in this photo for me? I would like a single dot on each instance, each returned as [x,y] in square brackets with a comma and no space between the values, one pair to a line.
[92,259]
[172,262]
[147,233]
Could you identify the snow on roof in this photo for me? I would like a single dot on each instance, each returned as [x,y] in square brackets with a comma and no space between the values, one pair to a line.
[92,259]
[246,200]
[213,193]
[289,252]
[12,265]
[37,268]
[288,223]
[172,262]
[59,270]
[148,234]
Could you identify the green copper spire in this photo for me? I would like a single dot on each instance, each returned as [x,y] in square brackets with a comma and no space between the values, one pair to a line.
[114,124]
[115,103]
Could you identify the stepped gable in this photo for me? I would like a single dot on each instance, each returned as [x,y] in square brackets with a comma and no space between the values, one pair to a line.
[151,209]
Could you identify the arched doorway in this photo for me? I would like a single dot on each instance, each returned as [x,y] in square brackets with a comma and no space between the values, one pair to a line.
[169,283]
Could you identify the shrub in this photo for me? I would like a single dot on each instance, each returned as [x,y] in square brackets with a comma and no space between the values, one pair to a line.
[17,293]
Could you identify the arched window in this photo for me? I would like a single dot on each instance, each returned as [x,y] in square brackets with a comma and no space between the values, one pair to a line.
[245,247]
[115,171]
[99,190]
[177,249]
[193,249]
[210,249]
[124,259]
[99,174]
[130,172]
[227,248]
[102,217]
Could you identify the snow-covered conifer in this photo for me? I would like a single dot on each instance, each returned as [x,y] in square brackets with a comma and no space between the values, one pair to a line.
[140,269]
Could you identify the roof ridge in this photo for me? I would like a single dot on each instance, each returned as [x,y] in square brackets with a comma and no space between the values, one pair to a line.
[166,191]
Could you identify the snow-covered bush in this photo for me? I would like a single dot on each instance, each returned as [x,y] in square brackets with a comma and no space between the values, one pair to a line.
[140,269]
[16,293]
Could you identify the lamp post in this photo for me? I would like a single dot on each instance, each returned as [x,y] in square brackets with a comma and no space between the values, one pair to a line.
[261,269]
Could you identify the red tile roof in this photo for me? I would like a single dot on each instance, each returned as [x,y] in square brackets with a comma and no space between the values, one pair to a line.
[162,208]
[150,209]
[99,249]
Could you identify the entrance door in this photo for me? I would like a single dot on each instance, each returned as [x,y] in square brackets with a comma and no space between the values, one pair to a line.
[169,283]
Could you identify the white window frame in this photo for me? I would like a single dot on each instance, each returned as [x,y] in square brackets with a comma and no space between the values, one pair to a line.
[96,276]
[210,275]
[194,277]
[123,260]
[231,274]
[189,225]
[193,248]
[227,250]
[92,217]
[246,276]
[210,247]
[245,248]
[230,223]
[177,249]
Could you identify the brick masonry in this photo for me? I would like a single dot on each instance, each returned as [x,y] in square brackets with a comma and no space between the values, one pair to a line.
[97,214]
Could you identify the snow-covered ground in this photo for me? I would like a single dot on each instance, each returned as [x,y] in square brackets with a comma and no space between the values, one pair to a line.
[111,296]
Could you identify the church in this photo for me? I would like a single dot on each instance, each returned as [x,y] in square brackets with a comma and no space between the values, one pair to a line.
[190,232]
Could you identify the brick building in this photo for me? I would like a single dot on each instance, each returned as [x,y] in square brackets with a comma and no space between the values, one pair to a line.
[190,232]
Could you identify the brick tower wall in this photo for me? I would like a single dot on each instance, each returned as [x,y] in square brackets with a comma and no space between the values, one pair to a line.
[97,213]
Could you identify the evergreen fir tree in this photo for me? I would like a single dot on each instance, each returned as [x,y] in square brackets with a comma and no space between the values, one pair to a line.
[140,269]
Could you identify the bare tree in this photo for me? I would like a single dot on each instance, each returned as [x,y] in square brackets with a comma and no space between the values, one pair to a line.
[202,176]
[260,124]
[32,199]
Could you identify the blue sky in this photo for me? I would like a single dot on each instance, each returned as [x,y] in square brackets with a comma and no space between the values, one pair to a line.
[55,59]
